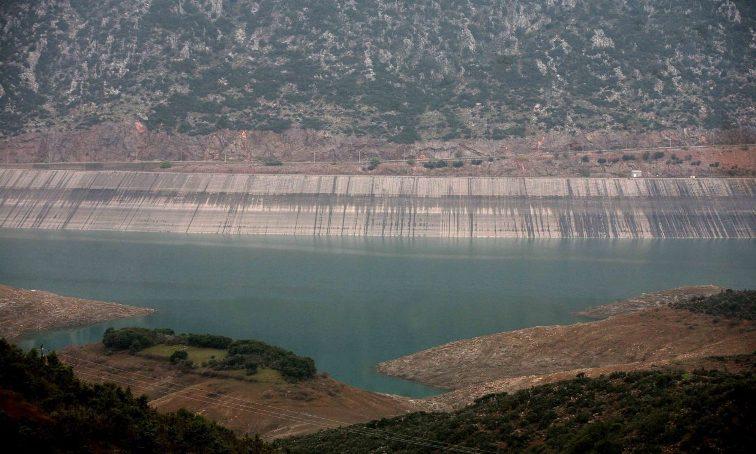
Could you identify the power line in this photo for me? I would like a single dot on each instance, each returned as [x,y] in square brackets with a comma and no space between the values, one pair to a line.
[277,411]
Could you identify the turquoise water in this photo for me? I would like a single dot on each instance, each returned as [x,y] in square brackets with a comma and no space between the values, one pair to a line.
[351,303]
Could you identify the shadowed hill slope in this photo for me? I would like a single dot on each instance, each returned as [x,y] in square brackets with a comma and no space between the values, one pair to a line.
[44,408]
[661,411]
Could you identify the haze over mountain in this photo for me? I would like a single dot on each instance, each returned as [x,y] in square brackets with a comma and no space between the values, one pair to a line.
[398,70]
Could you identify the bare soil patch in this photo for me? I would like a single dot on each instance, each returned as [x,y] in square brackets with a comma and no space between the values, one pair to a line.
[24,312]
[270,407]
[635,338]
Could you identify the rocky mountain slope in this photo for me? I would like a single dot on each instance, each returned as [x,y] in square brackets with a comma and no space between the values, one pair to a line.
[402,71]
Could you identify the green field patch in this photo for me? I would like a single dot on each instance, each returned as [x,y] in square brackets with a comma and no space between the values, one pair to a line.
[197,355]
[263,375]
[218,353]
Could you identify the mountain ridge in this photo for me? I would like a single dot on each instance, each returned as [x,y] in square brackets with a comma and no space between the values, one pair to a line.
[400,71]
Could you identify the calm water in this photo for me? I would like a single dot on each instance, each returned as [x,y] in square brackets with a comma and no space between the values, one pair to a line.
[350,303]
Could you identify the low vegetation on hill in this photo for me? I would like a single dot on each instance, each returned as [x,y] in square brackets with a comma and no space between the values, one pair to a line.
[243,354]
[44,408]
[404,71]
[651,411]
[729,303]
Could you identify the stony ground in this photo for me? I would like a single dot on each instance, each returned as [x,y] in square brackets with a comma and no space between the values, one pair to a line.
[649,300]
[657,336]
[27,311]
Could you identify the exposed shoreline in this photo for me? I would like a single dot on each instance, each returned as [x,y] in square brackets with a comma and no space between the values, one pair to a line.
[169,388]
[378,206]
[24,312]
[633,336]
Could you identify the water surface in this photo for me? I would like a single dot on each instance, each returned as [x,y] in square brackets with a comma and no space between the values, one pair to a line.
[351,303]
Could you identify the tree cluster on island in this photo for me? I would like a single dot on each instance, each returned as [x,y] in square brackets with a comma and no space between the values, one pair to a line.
[245,354]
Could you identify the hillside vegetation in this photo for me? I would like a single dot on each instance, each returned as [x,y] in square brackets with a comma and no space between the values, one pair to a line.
[739,304]
[44,408]
[622,412]
[243,354]
[396,70]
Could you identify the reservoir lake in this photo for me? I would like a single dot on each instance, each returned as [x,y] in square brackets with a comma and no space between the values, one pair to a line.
[350,303]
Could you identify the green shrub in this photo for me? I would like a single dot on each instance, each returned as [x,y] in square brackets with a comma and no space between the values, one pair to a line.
[628,157]
[132,339]
[178,355]
[458,163]
[166,165]
[729,303]
[601,160]
[373,163]
[476,162]
[271,161]
[585,158]
[242,353]
[435,164]
[207,340]
[408,134]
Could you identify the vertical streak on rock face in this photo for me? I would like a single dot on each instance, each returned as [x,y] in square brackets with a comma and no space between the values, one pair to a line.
[378,206]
